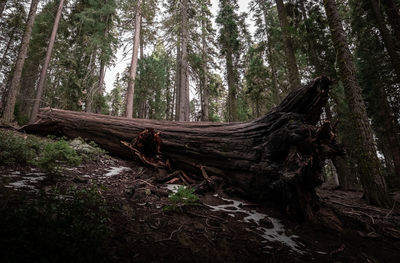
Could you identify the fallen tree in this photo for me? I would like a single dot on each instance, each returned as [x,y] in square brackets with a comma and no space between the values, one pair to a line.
[276,159]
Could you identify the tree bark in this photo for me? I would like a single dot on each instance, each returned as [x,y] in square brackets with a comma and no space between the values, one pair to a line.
[8,112]
[178,78]
[132,71]
[204,73]
[294,76]
[43,74]
[184,87]
[276,159]
[232,87]
[369,165]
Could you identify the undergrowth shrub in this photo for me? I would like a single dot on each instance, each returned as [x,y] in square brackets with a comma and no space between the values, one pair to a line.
[56,154]
[18,149]
[58,226]
[183,197]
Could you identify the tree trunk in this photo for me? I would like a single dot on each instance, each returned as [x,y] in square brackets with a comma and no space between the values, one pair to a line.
[204,74]
[168,95]
[2,6]
[91,87]
[132,71]
[178,78]
[8,112]
[294,76]
[43,74]
[394,55]
[369,165]
[232,87]
[393,14]
[184,87]
[276,159]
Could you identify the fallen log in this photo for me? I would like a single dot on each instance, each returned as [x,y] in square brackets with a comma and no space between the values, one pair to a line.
[276,159]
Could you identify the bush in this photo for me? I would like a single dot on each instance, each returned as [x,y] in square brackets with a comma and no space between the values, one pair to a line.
[61,226]
[56,154]
[18,149]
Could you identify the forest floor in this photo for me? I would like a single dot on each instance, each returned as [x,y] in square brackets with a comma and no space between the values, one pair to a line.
[140,224]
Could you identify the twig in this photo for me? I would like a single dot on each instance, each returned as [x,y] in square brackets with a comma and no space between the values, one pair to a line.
[170,236]
[391,210]
[187,178]
[204,174]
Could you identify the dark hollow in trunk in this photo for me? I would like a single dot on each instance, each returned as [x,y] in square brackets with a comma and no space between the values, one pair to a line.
[275,159]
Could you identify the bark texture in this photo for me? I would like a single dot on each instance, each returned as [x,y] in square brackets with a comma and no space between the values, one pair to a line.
[134,61]
[43,74]
[184,79]
[204,73]
[369,166]
[8,113]
[275,159]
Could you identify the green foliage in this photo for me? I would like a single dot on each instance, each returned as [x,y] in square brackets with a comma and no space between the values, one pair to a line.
[60,226]
[56,154]
[152,84]
[18,149]
[183,197]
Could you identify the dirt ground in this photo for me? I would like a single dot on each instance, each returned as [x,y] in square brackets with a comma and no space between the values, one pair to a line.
[221,228]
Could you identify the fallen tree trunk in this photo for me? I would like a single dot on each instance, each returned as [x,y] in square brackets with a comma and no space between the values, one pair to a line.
[274,159]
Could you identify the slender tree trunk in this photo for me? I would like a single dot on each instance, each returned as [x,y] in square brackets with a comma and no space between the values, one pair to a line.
[2,6]
[393,14]
[294,76]
[141,39]
[184,92]
[204,80]
[173,103]
[168,95]
[394,54]
[371,174]
[8,112]
[43,74]
[178,78]
[91,87]
[232,88]
[132,71]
